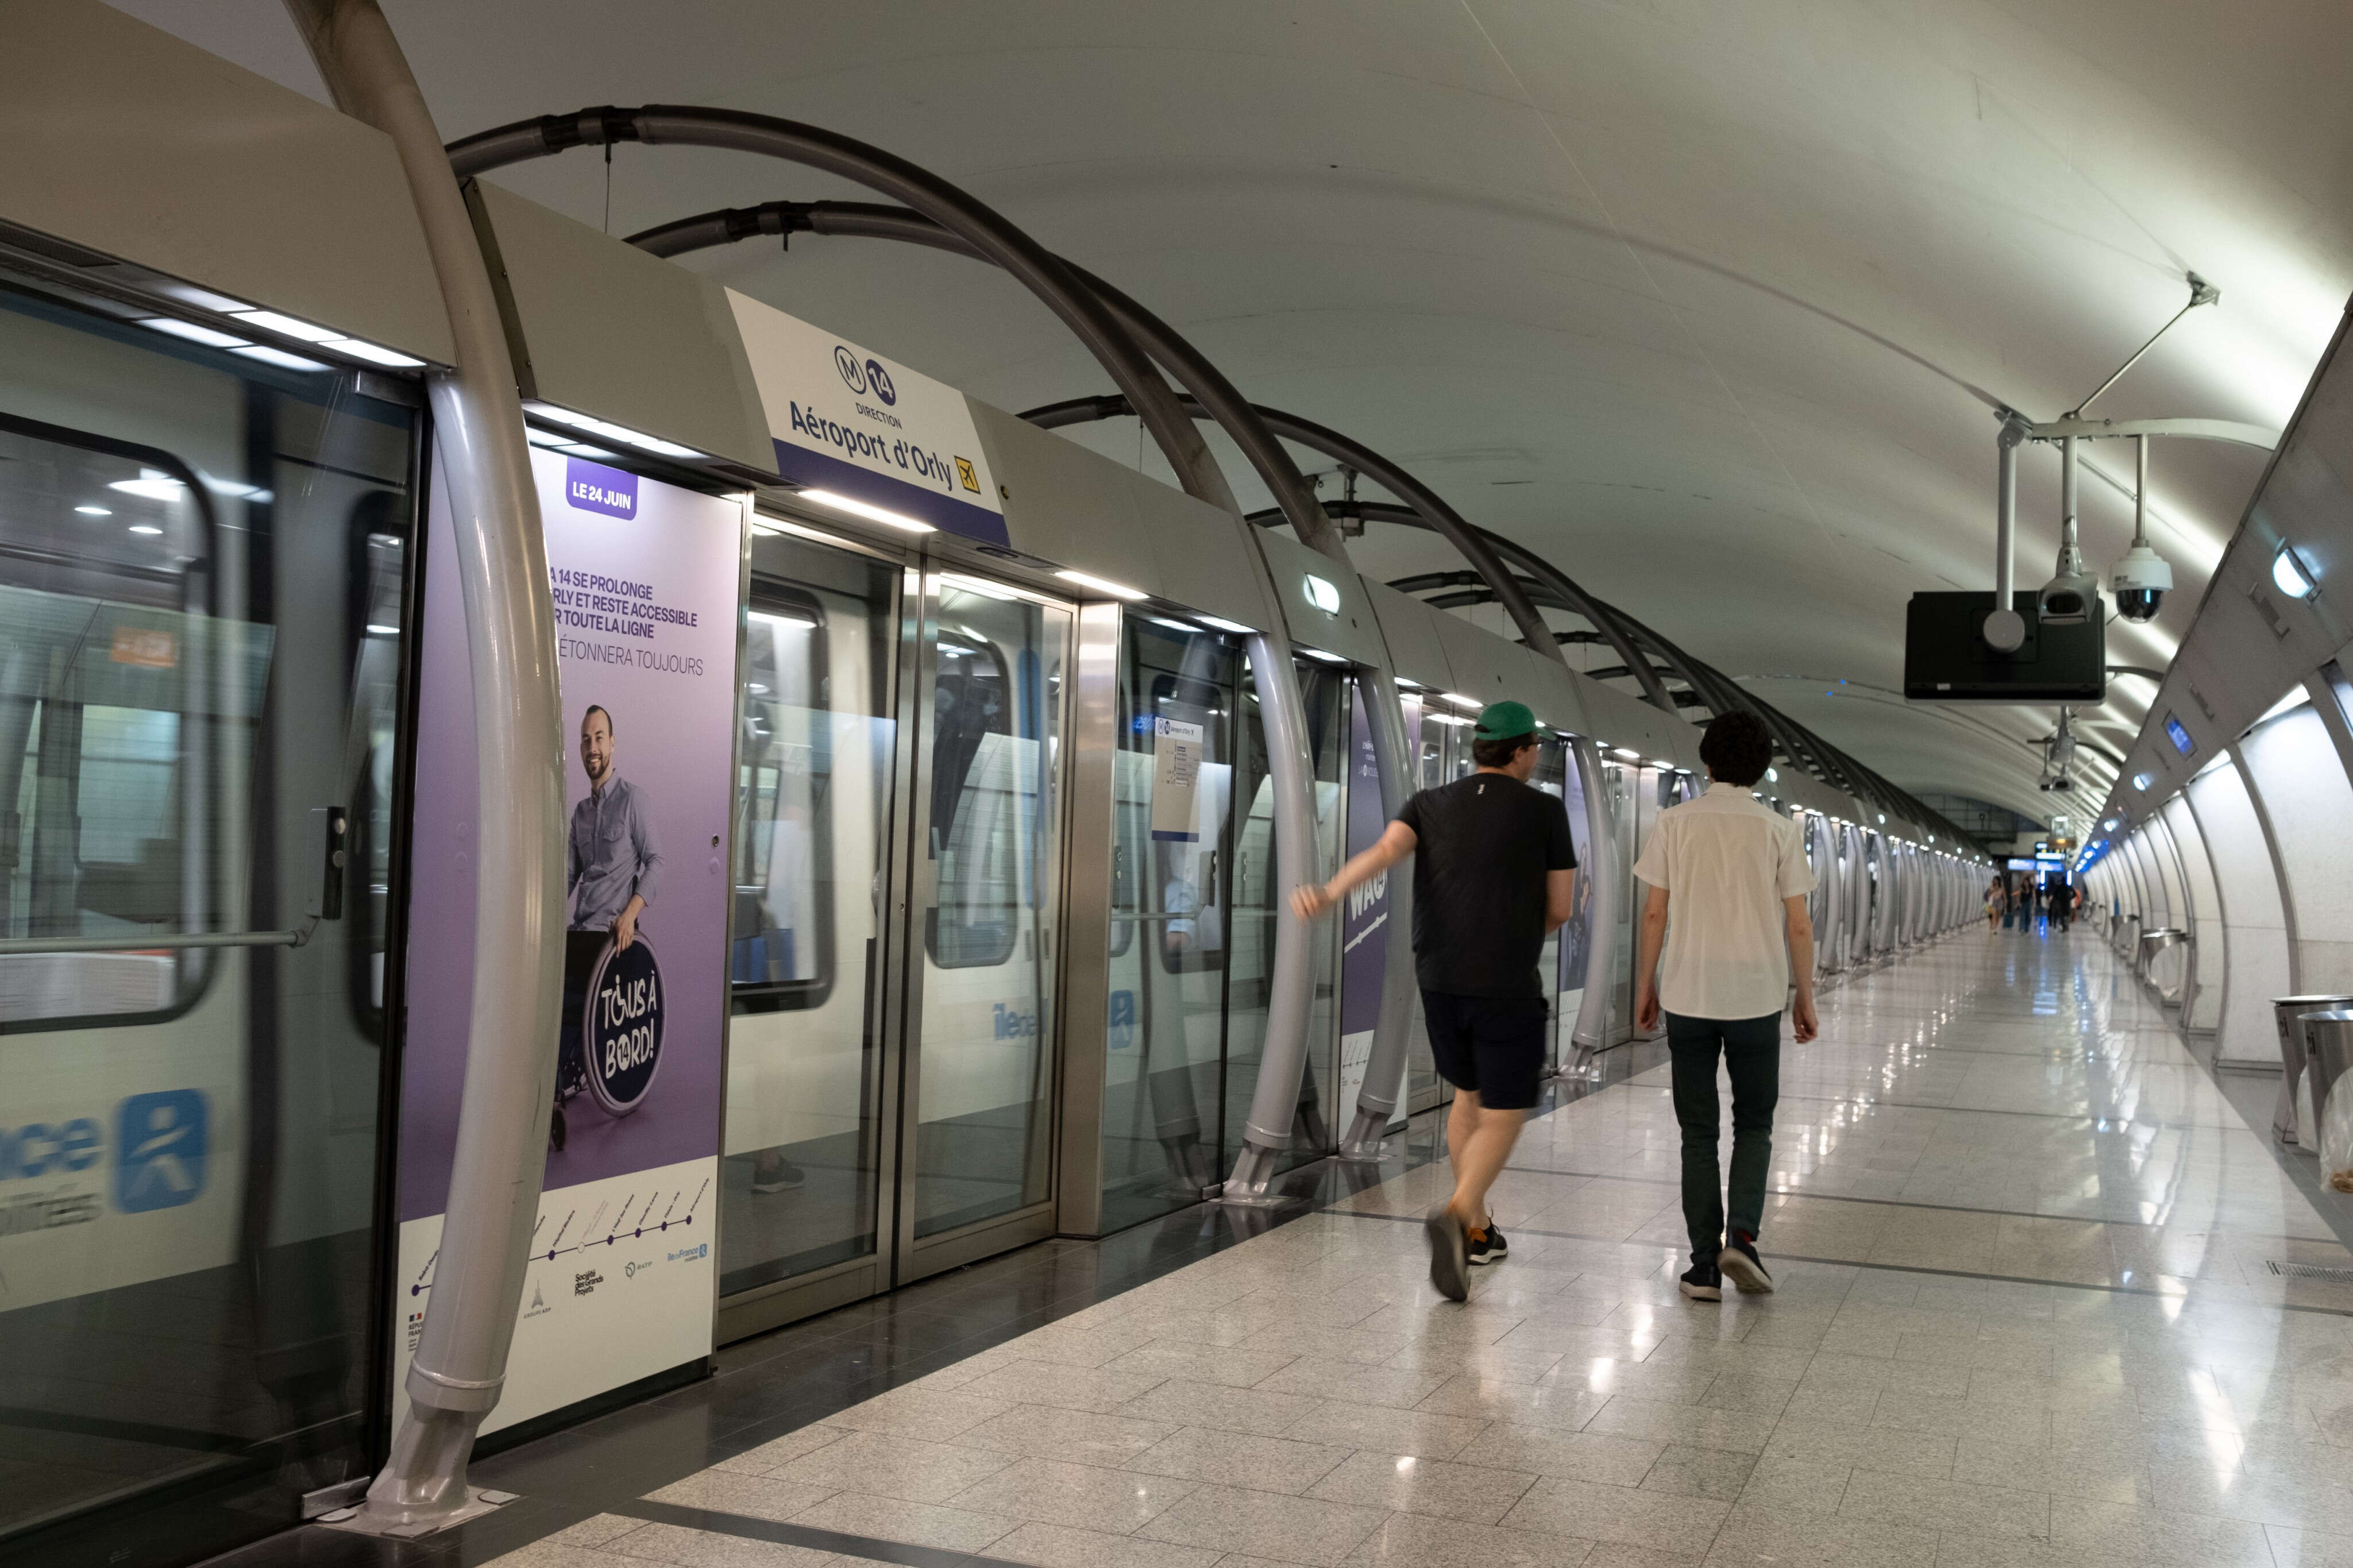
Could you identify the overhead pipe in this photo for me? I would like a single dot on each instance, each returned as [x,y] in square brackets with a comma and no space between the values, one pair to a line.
[459,1367]
[1267,1127]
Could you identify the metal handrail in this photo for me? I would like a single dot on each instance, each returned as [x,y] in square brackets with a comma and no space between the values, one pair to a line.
[10,946]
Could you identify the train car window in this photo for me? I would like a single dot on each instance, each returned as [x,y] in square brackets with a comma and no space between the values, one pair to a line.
[977,775]
[783,947]
[121,698]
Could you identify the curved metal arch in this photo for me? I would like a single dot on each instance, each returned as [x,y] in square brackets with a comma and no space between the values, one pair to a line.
[1266,1127]
[1039,270]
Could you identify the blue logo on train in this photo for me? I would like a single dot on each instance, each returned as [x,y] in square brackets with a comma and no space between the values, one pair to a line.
[159,1151]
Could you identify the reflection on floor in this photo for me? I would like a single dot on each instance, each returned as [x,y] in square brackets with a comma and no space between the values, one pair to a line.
[2029,1313]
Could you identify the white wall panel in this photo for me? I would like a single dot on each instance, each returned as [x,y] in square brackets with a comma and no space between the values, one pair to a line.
[2255,920]
[2304,793]
[2206,915]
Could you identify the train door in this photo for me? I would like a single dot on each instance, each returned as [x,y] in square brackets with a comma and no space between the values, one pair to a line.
[202,572]
[983,875]
[803,1178]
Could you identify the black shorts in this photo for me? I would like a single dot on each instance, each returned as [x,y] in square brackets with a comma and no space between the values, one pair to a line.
[1494,1045]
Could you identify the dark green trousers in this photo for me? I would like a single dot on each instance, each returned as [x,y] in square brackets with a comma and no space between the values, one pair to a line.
[1751,1051]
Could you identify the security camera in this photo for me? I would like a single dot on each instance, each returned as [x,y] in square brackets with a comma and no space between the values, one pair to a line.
[2141,580]
[2068,599]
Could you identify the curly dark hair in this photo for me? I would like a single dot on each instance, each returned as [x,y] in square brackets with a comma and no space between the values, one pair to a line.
[1736,748]
[1498,753]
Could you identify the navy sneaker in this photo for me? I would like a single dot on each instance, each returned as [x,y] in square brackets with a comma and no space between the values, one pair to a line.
[1701,1282]
[1486,1246]
[1739,1260]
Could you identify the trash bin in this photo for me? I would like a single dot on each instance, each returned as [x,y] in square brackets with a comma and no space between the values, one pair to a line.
[2287,1012]
[2328,1038]
[2155,944]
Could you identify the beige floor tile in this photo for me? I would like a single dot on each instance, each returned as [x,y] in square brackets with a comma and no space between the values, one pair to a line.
[1936,1504]
[887,1465]
[1580,1456]
[1080,1437]
[1803,1539]
[1266,1524]
[1411,1541]
[1240,1460]
[1600,1512]
[1403,1484]
[1060,1546]
[912,1523]
[1086,1497]
[1097,1389]
[1686,1472]
[1354,1382]
[1225,1409]
[1687,1424]
[1422,1433]
[921,1413]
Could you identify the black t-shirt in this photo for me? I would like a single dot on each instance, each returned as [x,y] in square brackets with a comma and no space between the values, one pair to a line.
[1482,847]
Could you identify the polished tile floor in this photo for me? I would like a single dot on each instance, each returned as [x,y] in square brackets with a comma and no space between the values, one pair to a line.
[2030,1312]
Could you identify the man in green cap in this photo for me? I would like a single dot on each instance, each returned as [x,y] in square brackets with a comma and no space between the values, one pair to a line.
[1494,875]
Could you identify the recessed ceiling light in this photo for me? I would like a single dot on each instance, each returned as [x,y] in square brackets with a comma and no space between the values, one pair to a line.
[144,528]
[1221,623]
[288,326]
[2289,576]
[93,512]
[382,631]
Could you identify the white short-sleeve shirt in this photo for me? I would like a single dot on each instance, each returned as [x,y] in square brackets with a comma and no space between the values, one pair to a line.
[1727,861]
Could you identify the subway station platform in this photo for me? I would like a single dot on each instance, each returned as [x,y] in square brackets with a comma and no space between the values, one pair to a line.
[2044,1298]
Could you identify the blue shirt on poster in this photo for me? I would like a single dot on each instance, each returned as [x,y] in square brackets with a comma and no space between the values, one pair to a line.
[613,855]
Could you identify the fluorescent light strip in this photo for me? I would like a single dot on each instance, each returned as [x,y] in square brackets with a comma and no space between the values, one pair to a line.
[986,590]
[288,326]
[278,357]
[1220,623]
[1462,701]
[211,337]
[621,433]
[374,354]
[1103,586]
[850,507]
[1326,658]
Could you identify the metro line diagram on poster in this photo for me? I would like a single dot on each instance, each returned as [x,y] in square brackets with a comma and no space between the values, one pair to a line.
[620,1231]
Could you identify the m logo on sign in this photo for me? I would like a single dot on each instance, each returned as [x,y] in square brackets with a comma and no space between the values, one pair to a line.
[159,1160]
[853,375]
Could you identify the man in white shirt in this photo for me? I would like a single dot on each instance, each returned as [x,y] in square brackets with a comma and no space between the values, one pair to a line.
[1735,875]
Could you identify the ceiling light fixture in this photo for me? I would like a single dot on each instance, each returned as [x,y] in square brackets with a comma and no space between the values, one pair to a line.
[1103,586]
[153,484]
[855,508]
[625,434]
[93,512]
[2289,576]
[211,337]
[1221,624]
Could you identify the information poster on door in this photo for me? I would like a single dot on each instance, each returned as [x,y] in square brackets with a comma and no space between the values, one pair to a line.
[620,1280]
[1363,917]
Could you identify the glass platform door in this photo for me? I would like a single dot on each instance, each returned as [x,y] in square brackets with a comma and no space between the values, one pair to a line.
[985,880]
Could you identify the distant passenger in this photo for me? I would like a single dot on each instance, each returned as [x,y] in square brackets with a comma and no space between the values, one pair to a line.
[1995,902]
[1495,876]
[1735,876]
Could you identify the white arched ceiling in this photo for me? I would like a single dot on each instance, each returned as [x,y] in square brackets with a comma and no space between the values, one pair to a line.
[1710,303]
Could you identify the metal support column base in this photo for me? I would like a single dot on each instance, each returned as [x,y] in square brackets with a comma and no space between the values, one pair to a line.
[360,1521]
[1581,1055]
[422,1489]
[1367,1134]
[1253,1169]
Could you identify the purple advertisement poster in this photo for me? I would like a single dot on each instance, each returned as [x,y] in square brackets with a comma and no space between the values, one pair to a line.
[644,578]
[1365,916]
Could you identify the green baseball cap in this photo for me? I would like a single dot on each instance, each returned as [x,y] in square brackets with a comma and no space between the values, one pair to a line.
[1504,721]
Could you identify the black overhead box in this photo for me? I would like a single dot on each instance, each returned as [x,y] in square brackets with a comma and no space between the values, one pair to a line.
[1948,659]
